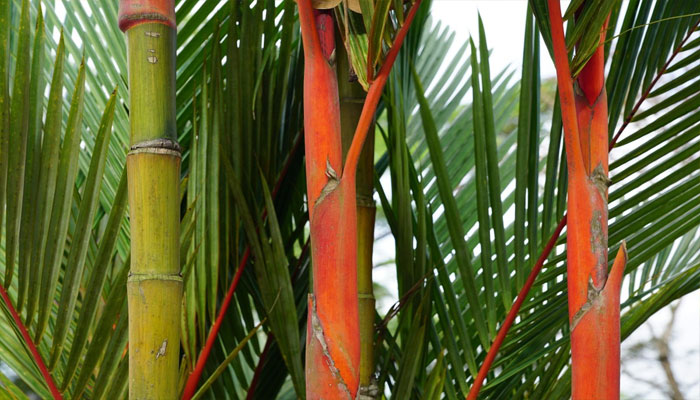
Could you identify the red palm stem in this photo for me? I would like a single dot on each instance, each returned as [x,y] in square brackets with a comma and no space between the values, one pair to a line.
[510,318]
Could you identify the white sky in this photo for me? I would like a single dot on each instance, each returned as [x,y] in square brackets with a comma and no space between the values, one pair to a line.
[504,22]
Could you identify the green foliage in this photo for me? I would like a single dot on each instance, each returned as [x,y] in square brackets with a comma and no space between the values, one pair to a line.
[53,209]
[367,35]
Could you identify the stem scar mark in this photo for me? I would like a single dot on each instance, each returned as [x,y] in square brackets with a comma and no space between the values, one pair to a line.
[152,34]
[593,295]
[599,246]
[152,56]
[600,180]
[317,329]
[332,183]
[596,296]
[161,351]
[369,392]
[599,235]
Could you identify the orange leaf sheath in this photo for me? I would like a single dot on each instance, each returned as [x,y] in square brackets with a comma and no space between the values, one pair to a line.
[333,337]
[594,296]
[333,333]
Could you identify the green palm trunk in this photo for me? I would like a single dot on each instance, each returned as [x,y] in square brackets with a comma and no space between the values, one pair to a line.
[154,288]
[352,98]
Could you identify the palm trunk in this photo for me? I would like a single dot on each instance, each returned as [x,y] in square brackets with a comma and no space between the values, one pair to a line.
[154,288]
[332,340]
[594,295]
[333,332]
[352,97]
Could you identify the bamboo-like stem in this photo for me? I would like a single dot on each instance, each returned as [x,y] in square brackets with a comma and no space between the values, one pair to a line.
[352,97]
[154,288]
[522,295]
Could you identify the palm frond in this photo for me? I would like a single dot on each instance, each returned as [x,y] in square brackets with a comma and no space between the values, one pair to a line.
[60,228]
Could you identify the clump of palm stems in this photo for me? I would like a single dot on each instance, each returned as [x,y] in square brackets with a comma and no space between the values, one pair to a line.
[480,186]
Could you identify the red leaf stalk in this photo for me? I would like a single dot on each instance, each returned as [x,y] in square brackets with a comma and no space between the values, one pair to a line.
[510,318]
[193,379]
[375,93]
[258,369]
[30,345]
[594,306]
[333,336]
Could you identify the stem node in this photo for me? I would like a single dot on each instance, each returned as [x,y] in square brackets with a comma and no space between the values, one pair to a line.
[134,12]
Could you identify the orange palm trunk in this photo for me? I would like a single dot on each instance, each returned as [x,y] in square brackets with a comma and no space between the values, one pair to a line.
[333,335]
[332,340]
[594,295]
